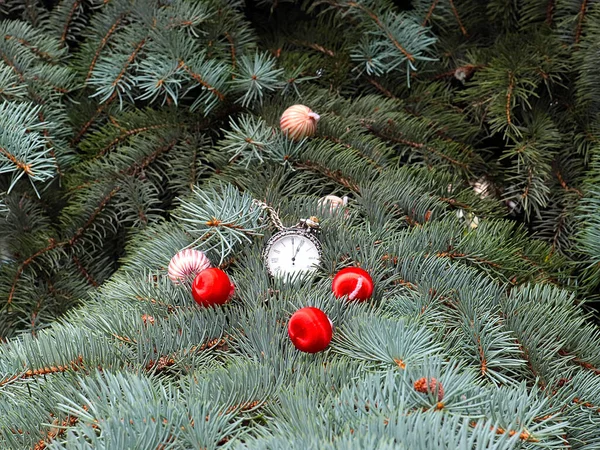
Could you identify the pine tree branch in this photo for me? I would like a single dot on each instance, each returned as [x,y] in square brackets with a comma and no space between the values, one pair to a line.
[380,24]
[559,229]
[523,435]
[58,430]
[63,36]
[511,86]
[193,168]
[334,175]
[130,60]
[563,183]
[382,89]
[456,203]
[430,12]
[53,244]
[585,404]
[314,46]
[10,64]
[127,134]
[137,168]
[549,12]
[579,362]
[528,184]
[50,145]
[372,162]
[453,255]
[418,145]
[103,43]
[199,79]
[482,358]
[55,88]
[92,217]
[460,24]
[232,46]
[19,164]
[44,55]
[72,365]
[84,272]
[582,12]
[89,123]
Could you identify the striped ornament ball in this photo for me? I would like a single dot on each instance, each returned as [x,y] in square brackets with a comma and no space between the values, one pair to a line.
[298,122]
[186,264]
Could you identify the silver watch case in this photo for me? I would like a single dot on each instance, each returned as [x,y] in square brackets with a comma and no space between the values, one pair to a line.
[308,233]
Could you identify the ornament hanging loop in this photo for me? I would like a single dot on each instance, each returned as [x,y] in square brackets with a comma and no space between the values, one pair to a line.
[272,214]
[312,223]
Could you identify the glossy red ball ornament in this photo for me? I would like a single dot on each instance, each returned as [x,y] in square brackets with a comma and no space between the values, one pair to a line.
[212,287]
[310,330]
[354,282]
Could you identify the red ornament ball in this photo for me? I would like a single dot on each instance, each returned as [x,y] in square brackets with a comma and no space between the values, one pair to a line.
[212,287]
[310,330]
[354,282]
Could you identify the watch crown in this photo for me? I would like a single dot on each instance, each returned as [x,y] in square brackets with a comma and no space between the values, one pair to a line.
[311,222]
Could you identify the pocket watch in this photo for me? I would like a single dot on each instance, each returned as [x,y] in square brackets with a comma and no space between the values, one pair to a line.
[292,250]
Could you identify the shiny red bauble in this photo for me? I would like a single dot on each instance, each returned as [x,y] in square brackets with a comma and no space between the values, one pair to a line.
[310,330]
[212,287]
[354,282]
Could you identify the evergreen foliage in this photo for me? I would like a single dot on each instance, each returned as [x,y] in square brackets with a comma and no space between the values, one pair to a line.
[465,137]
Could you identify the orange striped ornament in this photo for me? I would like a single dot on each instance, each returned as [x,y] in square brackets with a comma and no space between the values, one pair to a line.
[298,122]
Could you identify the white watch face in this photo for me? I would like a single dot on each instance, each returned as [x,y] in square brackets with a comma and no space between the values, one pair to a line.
[292,253]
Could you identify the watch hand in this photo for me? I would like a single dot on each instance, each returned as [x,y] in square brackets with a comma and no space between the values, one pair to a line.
[296,253]
[293,257]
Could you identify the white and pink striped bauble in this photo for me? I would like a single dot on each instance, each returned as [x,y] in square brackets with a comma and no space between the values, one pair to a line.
[298,122]
[334,203]
[187,264]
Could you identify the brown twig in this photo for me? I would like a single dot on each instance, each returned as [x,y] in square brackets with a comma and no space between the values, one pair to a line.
[549,12]
[201,81]
[315,46]
[334,175]
[25,263]
[30,46]
[430,12]
[72,365]
[382,89]
[10,64]
[20,165]
[511,86]
[460,24]
[84,272]
[376,19]
[124,135]
[564,185]
[89,123]
[131,58]
[582,12]
[63,37]
[102,45]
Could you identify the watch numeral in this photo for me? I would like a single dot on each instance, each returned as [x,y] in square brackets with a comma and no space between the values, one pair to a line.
[277,251]
[274,260]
